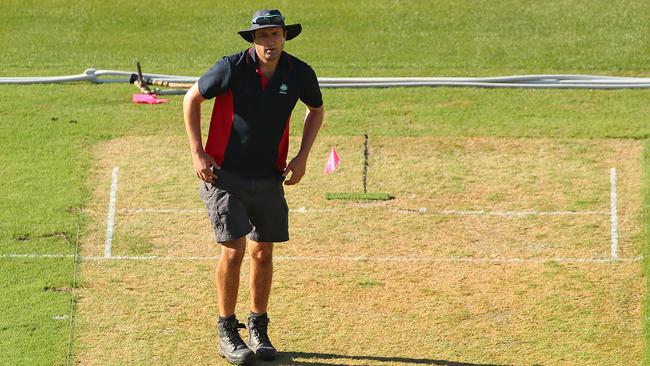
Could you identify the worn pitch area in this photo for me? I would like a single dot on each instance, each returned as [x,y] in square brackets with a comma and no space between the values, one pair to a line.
[438,294]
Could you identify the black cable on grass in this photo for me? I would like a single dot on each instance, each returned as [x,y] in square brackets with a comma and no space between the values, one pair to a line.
[73,295]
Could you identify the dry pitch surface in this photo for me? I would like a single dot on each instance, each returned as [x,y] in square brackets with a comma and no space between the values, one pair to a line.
[493,252]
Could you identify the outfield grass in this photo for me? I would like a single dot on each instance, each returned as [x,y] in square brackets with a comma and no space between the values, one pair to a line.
[34,324]
[341,38]
[48,132]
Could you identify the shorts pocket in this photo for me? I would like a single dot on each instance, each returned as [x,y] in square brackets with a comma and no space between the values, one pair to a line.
[221,207]
[206,191]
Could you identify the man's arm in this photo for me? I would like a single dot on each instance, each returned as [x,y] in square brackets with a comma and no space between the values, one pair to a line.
[298,165]
[192,115]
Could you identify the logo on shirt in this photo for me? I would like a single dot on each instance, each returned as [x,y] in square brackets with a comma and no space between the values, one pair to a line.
[283,89]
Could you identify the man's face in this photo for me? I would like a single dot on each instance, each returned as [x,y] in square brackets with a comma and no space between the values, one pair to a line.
[269,43]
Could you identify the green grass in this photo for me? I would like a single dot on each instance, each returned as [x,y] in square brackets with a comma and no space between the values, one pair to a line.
[47,131]
[340,38]
[480,112]
[34,293]
[369,283]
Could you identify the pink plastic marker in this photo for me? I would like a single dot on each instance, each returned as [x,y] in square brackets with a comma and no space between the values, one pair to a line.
[148,99]
[333,162]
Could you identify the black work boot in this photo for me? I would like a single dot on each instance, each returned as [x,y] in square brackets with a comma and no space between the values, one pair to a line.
[231,346]
[258,339]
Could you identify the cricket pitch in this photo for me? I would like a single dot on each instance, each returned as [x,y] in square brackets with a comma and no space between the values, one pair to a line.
[494,251]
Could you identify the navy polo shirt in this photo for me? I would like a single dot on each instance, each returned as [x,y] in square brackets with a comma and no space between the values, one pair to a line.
[249,127]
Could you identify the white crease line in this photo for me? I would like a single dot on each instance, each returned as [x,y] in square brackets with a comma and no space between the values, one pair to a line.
[341,259]
[181,211]
[459,259]
[158,210]
[110,223]
[307,210]
[149,258]
[422,210]
[614,215]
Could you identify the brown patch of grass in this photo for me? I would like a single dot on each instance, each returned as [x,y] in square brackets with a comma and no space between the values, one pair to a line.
[164,313]
[476,173]
[437,173]
[378,231]
[442,173]
[168,234]
[384,313]
[137,313]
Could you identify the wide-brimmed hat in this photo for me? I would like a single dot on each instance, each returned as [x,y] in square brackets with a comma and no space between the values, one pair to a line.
[268,18]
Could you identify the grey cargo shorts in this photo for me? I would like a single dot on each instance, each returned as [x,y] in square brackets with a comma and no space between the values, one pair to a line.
[238,206]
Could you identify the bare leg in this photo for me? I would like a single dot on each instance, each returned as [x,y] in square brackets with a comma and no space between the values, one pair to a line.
[261,275]
[227,275]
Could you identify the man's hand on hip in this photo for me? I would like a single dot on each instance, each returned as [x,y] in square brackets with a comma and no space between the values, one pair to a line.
[202,166]
[297,166]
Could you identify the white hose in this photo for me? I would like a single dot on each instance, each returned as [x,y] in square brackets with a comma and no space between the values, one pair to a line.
[551,81]
[540,85]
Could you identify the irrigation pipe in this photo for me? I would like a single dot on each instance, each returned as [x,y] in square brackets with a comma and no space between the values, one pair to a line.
[550,81]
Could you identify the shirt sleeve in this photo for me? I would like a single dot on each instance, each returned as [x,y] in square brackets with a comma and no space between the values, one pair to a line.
[217,80]
[310,93]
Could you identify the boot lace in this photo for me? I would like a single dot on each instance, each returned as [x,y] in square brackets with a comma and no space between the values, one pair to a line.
[259,330]
[232,333]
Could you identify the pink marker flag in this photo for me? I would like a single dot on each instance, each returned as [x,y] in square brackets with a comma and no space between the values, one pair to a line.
[333,161]
[148,99]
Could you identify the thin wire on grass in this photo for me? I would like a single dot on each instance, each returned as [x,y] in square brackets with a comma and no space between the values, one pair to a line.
[73,300]
[365,162]
[353,196]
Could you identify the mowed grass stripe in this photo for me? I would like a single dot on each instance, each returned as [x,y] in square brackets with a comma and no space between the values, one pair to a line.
[361,231]
[470,174]
[480,171]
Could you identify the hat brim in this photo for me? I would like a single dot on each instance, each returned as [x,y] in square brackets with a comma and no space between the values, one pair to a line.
[293,30]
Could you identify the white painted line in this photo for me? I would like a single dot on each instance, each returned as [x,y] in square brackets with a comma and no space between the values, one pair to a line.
[422,210]
[456,259]
[307,210]
[614,215]
[159,210]
[150,258]
[110,223]
[203,211]
[342,259]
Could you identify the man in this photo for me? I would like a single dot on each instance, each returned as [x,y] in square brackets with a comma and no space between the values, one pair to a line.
[244,164]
